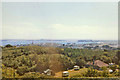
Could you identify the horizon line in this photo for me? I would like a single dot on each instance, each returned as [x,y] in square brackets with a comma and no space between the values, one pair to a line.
[59,39]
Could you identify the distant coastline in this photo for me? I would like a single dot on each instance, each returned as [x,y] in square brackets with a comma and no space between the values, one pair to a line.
[24,42]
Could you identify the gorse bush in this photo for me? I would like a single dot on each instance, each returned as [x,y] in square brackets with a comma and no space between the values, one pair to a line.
[28,59]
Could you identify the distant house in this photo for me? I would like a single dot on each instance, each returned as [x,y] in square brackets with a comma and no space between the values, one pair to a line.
[97,64]
[110,70]
[48,72]
[111,64]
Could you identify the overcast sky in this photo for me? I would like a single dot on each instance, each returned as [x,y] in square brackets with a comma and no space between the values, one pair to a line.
[33,20]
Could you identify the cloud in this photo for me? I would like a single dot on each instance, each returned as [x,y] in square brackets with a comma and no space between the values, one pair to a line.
[60,21]
[20,31]
[85,32]
[57,31]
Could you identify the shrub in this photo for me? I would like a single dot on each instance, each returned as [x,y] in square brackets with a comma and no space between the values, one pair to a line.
[8,45]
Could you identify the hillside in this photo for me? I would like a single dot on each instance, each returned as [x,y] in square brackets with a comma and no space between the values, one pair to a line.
[34,60]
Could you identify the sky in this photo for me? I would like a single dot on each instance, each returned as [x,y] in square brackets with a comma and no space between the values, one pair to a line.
[60,20]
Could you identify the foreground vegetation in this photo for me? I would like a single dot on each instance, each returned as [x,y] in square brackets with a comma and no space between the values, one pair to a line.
[32,61]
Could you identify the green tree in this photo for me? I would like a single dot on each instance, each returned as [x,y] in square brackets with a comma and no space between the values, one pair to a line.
[8,45]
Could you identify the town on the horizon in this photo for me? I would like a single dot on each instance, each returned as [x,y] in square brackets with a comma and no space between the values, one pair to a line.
[78,44]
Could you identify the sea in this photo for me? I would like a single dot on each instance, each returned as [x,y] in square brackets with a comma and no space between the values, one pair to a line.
[26,42]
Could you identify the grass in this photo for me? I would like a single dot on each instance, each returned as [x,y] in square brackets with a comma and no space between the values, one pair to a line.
[72,73]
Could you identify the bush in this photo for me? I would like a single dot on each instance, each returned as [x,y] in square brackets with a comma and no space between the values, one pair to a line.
[22,70]
[8,45]
[91,73]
